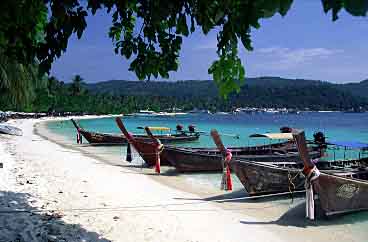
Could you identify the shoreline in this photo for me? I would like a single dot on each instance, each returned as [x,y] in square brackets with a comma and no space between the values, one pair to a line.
[72,197]
[101,202]
[170,179]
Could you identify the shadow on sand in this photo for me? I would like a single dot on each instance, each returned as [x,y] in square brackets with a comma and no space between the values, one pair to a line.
[21,222]
[294,216]
[241,196]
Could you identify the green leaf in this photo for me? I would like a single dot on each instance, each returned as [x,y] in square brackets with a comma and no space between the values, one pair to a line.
[181,26]
[285,5]
[228,72]
[356,7]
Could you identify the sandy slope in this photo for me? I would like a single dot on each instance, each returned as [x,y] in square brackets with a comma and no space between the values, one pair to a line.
[77,198]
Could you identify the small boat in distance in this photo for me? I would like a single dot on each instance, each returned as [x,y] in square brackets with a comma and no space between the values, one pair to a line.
[119,139]
[150,113]
[145,113]
[199,111]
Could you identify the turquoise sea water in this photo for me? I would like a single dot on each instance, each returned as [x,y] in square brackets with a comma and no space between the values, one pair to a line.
[336,126]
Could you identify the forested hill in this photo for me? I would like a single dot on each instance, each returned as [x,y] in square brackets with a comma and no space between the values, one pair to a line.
[130,96]
[257,92]
[208,88]
[358,89]
[191,87]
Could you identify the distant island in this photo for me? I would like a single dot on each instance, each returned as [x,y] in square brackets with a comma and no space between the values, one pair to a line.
[119,96]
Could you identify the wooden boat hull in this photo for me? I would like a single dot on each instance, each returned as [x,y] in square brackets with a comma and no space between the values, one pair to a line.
[340,195]
[147,150]
[103,139]
[274,177]
[170,154]
[258,178]
[148,153]
[111,139]
[339,191]
[187,160]
[119,139]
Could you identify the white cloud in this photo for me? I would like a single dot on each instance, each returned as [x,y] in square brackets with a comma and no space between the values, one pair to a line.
[284,58]
[272,50]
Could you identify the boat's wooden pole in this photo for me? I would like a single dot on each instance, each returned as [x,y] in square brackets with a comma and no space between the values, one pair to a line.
[226,183]
[75,124]
[158,148]
[150,134]
[235,136]
[129,138]
[310,171]
[79,136]
[299,137]
[122,128]
[217,139]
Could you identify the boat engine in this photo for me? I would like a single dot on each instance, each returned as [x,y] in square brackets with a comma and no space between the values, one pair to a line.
[179,127]
[191,128]
[319,137]
[286,129]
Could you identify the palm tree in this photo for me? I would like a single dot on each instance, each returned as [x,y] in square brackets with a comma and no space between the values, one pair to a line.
[18,82]
[76,86]
[52,85]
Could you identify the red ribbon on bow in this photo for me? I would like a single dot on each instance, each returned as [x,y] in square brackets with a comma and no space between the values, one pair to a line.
[158,147]
[229,183]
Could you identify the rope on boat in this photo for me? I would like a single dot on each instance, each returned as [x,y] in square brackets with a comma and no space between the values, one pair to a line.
[235,136]
[144,207]
[291,184]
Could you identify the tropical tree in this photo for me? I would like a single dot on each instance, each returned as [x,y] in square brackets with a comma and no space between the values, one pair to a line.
[147,32]
[76,86]
[18,82]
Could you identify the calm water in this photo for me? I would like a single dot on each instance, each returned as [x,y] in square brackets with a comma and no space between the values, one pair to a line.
[336,126]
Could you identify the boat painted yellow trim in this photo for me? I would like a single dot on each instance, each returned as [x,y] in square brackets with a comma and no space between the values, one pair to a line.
[273,135]
[159,128]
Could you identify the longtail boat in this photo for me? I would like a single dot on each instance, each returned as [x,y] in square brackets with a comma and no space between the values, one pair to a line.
[202,160]
[340,192]
[276,177]
[268,178]
[119,139]
[188,160]
[208,159]
[147,148]
[282,176]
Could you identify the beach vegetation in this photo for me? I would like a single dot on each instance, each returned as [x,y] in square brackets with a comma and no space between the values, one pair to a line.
[119,96]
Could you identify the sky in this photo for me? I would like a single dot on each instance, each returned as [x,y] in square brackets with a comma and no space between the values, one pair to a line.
[303,44]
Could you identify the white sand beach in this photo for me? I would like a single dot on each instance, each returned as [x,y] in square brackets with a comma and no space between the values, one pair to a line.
[51,193]
[72,197]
